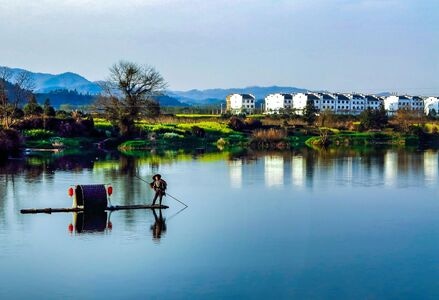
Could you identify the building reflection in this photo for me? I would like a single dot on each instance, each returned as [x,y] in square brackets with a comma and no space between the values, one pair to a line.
[431,165]
[235,173]
[274,170]
[298,173]
[304,169]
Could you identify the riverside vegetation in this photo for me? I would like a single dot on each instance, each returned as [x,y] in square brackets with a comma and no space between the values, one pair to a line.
[126,117]
[77,131]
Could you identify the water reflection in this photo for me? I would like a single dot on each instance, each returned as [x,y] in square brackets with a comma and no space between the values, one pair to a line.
[159,226]
[300,169]
[235,172]
[274,170]
[387,167]
[89,222]
[303,169]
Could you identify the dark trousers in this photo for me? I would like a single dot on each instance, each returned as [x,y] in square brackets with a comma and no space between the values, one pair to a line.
[158,194]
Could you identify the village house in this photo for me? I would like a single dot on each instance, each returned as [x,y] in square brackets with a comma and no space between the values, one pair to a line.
[316,98]
[339,103]
[373,102]
[431,106]
[299,102]
[278,101]
[327,101]
[240,103]
[343,103]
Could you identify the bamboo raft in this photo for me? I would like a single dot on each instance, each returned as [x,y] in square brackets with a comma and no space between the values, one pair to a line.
[80,209]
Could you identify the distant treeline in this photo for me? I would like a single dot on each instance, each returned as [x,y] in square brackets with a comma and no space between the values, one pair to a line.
[60,97]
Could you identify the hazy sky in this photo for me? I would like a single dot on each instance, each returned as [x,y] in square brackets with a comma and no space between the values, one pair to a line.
[338,45]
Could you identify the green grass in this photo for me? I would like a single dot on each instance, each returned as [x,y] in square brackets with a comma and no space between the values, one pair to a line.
[365,139]
[68,143]
[197,116]
[35,134]
[102,124]
[212,127]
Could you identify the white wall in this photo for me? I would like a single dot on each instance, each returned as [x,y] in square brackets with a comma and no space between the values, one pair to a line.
[299,102]
[431,103]
[274,102]
[391,104]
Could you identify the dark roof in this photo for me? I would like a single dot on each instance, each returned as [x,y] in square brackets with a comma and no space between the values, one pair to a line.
[404,97]
[358,96]
[247,96]
[327,96]
[372,97]
[343,97]
[312,97]
[287,96]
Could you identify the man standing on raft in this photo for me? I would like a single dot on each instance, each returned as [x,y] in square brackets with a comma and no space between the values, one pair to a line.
[159,186]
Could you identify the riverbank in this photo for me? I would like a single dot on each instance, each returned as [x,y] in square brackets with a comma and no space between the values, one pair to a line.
[204,134]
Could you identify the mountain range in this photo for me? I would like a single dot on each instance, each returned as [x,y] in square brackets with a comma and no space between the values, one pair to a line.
[76,89]
[45,83]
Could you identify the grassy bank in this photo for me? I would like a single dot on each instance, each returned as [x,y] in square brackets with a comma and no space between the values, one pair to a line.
[210,133]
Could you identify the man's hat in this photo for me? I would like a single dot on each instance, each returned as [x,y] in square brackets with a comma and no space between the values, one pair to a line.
[156,175]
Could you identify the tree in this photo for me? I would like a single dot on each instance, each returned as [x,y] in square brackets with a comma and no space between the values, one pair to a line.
[310,112]
[32,108]
[12,95]
[327,118]
[48,109]
[129,94]
[374,118]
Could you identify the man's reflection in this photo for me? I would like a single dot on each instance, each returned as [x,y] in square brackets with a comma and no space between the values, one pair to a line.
[159,226]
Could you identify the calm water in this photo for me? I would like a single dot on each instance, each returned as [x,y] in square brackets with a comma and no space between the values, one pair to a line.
[301,225]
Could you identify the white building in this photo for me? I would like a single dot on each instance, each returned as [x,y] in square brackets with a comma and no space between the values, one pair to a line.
[417,103]
[358,104]
[328,101]
[317,98]
[240,103]
[299,102]
[431,106]
[278,101]
[391,104]
[394,103]
[373,102]
[343,104]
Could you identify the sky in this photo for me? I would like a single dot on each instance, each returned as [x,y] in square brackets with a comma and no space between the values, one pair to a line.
[336,45]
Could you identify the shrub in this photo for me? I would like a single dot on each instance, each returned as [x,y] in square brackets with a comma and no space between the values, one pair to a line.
[252,123]
[198,132]
[236,124]
[10,141]
[269,135]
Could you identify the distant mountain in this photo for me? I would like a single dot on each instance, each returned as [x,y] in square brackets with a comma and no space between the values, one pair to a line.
[45,83]
[74,89]
[215,96]
[170,101]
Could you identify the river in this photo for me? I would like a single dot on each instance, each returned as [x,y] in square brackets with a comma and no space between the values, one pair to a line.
[304,224]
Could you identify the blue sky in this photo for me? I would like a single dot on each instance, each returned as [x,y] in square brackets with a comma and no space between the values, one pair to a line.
[338,45]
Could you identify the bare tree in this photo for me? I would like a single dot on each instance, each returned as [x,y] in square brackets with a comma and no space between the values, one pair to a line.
[129,94]
[11,98]
[5,77]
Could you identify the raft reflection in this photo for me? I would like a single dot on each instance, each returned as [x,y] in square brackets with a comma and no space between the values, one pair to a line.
[88,222]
